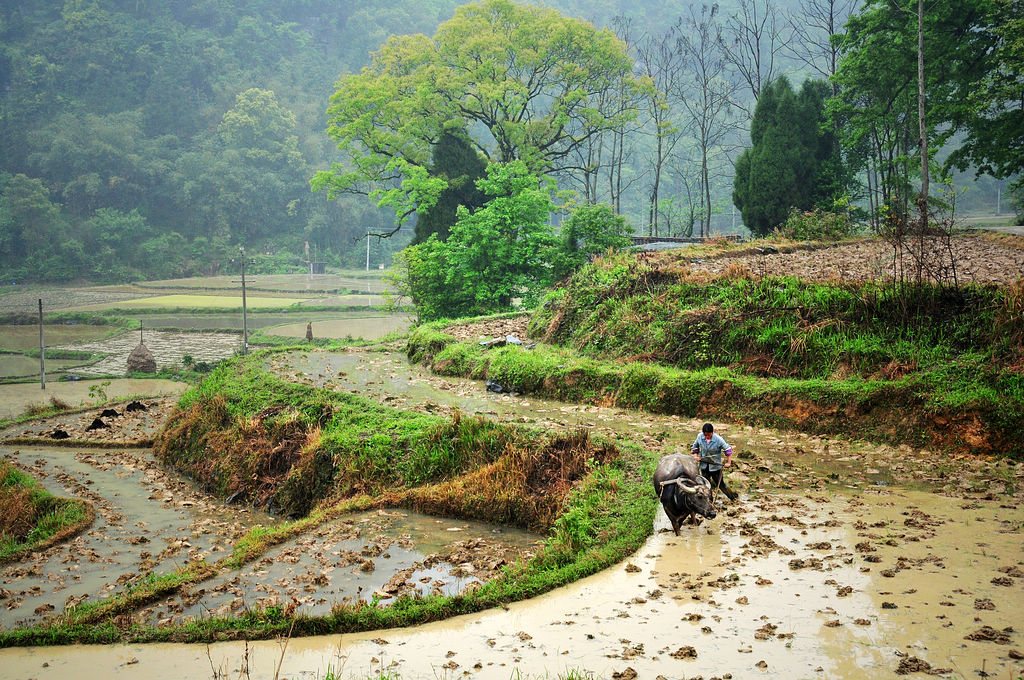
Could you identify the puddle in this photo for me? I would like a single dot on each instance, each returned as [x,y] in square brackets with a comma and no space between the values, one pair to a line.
[368,328]
[366,556]
[146,520]
[16,398]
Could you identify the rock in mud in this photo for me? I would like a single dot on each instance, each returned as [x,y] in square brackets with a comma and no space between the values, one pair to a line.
[912,664]
[97,424]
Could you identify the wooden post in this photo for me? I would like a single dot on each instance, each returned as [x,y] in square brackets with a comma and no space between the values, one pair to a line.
[42,349]
[245,321]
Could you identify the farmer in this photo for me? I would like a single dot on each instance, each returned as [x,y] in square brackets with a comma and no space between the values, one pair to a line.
[708,449]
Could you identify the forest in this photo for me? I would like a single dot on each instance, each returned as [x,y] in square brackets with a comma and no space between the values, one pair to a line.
[152,139]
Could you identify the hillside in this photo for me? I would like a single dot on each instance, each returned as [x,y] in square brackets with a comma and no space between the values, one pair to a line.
[777,339]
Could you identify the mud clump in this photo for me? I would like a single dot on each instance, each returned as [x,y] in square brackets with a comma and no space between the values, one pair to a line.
[990,634]
[912,664]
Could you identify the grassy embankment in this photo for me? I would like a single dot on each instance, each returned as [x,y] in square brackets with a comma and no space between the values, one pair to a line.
[930,366]
[31,518]
[304,450]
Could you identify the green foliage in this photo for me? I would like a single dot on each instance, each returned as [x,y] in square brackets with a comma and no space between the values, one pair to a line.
[145,117]
[817,225]
[457,162]
[792,163]
[972,90]
[589,231]
[495,259]
[525,81]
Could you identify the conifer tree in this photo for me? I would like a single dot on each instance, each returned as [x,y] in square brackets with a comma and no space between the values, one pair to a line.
[793,160]
[458,162]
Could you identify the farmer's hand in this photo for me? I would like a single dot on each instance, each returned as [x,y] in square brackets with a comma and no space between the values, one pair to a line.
[728,461]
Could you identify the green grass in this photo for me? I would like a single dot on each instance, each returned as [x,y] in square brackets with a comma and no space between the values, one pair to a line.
[32,517]
[915,405]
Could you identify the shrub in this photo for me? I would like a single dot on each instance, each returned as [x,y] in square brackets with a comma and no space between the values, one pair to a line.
[816,225]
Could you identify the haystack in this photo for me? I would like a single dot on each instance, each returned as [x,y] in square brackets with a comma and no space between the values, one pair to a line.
[141,360]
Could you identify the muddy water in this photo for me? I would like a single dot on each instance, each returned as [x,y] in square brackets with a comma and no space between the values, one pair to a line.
[830,566]
[22,337]
[709,602]
[361,557]
[368,328]
[255,320]
[146,520]
[15,399]
[20,366]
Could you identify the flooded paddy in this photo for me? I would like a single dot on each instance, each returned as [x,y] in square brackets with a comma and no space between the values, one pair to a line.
[255,320]
[346,301]
[775,588]
[21,366]
[146,520]
[366,327]
[187,301]
[13,299]
[294,283]
[168,348]
[18,338]
[841,559]
[16,398]
[364,556]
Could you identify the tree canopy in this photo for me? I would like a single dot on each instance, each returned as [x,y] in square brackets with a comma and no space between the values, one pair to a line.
[524,81]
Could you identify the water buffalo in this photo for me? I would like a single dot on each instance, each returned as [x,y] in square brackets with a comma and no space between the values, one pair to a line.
[684,493]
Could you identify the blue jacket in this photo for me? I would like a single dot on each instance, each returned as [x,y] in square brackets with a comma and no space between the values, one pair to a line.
[710,451]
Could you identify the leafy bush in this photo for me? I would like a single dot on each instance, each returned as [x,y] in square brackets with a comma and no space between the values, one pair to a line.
[816,225]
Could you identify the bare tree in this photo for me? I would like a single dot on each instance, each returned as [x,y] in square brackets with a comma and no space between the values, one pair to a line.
[659,59]
[752,38]
[813,25]
[706,93]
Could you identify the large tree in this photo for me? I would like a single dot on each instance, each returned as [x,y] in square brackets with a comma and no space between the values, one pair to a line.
[790,162]
[525,81]
[911,76]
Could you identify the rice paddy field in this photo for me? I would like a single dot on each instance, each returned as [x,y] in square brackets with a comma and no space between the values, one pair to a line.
[182,321]
[191,301]
[354,280]
[18,338]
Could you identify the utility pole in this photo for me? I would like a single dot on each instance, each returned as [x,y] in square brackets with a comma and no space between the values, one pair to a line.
[245,320]
[42,349]
[367,250]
